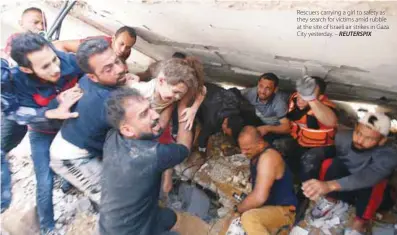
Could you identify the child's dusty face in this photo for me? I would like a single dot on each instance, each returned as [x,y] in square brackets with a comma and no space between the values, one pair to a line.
[172,92]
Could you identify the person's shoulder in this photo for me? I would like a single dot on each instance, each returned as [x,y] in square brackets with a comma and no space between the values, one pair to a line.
[271,157]
[281,97]
[387,151]
[18,77]
[66,57]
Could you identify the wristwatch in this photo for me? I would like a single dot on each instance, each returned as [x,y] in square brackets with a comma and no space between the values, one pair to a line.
[235,209]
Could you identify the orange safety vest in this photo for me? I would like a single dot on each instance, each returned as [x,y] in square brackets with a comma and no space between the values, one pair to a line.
[307,137]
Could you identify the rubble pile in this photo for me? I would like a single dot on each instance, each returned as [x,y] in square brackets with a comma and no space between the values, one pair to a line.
[20,218]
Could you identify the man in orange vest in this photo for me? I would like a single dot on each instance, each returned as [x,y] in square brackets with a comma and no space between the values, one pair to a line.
[313,125]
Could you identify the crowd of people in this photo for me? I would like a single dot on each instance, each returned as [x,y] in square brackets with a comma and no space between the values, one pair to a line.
[116,136]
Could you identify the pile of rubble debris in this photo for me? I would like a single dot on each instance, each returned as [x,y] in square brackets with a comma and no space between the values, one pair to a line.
[21,217]
[217,180]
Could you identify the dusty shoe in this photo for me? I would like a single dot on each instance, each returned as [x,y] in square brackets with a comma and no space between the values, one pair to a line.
[322,208]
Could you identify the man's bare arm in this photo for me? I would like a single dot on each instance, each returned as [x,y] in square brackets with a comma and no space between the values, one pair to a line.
[323,113]
[267,170]
[165,116]
[283,128]
[67,45]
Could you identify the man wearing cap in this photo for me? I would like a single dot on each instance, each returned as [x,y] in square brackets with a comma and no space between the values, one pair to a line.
[359,172]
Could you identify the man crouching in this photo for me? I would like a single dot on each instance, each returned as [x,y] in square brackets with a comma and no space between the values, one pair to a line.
[133,163]
[272,202]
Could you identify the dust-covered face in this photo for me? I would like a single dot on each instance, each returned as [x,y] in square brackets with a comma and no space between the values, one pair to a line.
[170,92]
[140,121]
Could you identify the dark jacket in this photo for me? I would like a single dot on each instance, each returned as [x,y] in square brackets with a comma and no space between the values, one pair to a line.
[33,92]
[219,104]
[88,131]
[367,168]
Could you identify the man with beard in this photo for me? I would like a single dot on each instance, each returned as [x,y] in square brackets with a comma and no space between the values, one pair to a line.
[358,174]
[270,107]
[76,148]
[133,163]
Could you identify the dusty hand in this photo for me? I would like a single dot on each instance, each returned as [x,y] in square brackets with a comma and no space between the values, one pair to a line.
[313,189]
[69,97]
[306,86]
[167,184]
[188,115]
[204,91]
[131,79]
[263,130]
[61,114]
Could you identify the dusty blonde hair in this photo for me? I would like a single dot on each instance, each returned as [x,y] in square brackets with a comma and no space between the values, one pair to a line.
[189,71]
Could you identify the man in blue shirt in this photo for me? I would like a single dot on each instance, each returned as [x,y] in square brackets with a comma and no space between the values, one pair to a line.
[76,148]
[133,164]
[271,107]
[38,82]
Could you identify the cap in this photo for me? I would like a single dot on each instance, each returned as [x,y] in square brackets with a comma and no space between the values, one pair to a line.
[378,122]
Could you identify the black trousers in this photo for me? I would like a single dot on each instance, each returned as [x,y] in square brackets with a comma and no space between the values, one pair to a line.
[303,162]
[367,200]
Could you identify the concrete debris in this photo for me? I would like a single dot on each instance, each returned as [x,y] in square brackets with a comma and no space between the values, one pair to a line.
[21,217]
[84,205]
[223,212]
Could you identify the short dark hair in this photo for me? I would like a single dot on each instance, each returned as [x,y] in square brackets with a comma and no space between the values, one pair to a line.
[236,123]
[179,55]
[32,9]
[321,84]
[114,106]
[131,31]
[269,76]
[24,44]
[89,48]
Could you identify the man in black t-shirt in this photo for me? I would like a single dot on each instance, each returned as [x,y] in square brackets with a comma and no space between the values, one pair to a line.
[132,167]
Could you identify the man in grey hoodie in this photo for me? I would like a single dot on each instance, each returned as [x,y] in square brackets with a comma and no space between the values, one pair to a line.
[358,174]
